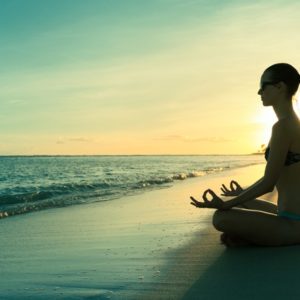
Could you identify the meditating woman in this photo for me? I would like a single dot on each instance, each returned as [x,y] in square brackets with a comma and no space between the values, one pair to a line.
[245,219]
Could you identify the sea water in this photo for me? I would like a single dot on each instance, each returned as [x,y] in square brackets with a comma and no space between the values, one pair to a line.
[33,183]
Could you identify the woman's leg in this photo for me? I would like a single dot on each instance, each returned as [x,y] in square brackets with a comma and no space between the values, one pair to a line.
[259,204]
[257,227]
[255,204]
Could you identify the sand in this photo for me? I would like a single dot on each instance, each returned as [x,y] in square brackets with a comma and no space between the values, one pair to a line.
[148,246]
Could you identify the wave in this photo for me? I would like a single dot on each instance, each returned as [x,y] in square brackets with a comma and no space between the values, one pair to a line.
[20,200]
[46,192]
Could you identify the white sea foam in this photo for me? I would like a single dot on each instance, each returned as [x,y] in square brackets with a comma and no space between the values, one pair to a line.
[35,183]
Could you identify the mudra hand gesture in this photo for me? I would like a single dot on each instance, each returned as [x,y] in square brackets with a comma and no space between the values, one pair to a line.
[235,189]
[215,202]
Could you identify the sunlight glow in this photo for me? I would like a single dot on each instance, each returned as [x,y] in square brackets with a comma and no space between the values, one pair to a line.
[265,118]
[296,103]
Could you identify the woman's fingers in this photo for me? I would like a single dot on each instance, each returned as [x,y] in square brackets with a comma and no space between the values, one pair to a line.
[198,203]
[215,202]
[235,183]
[226,193]
[195,202]
[193,199]
[232,185]
[204,197]
[212,193]
[207,203]
[225,188]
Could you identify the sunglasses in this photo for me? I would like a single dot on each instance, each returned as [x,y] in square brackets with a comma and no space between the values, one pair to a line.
[264,84]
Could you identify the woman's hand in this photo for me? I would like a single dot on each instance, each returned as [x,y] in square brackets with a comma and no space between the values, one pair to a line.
[235,189]
[215,202]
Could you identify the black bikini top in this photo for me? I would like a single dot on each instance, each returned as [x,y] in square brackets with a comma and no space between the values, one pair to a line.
[291,157]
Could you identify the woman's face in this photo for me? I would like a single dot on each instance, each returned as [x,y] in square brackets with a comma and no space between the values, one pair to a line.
[268,90]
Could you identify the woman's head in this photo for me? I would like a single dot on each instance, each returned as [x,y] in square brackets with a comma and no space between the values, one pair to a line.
[284,74]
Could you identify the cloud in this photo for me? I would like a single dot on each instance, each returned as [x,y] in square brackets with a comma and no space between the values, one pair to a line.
[186,139]
[64,140]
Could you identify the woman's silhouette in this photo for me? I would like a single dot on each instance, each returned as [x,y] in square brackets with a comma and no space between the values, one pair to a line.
[245,219]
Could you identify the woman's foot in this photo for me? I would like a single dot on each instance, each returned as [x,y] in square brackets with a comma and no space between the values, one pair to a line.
[233,241]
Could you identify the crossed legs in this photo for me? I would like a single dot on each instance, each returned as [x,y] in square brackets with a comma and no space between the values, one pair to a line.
[259,204]
[257,224]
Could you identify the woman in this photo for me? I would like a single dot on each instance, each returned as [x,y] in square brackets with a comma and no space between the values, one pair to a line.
[245,219]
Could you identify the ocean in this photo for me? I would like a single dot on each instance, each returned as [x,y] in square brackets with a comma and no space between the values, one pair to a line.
[33,183]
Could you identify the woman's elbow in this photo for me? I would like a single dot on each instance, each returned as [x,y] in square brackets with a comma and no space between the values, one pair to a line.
[269,184]
[271,189]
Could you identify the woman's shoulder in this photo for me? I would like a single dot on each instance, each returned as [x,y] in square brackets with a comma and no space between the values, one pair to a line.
[290,122]
[288,129]
[282,124]
[285,130]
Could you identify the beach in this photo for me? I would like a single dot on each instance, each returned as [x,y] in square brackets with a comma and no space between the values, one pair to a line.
[115,113]
[152,245]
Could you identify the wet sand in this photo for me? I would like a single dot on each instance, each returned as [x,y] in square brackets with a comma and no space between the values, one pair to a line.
[149,246]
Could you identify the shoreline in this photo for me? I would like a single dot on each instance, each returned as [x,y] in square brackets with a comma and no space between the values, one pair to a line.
[149,246]
[83,155]
[174,180]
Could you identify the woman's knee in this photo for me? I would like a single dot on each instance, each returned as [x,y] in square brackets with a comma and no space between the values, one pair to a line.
[218,219]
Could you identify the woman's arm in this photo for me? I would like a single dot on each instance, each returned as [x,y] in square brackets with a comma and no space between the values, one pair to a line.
[279,146]
[259,188]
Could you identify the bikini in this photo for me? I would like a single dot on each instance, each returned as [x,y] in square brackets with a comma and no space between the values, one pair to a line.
[291,158]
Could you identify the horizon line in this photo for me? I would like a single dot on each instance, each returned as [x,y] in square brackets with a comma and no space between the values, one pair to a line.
[81,155]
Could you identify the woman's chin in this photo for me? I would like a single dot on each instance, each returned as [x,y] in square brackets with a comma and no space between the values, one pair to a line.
[264,103]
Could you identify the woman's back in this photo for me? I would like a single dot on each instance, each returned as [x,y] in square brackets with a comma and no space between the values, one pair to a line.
[293,125]
[288,184]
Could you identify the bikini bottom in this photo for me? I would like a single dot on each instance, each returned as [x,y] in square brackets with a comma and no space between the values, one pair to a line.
[288,215]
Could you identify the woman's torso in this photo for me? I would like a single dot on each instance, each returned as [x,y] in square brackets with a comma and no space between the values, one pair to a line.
[288,184]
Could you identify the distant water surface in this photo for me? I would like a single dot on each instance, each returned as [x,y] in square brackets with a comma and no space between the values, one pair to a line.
[33,183]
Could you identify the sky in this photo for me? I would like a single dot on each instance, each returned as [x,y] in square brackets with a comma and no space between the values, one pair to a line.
[129,77]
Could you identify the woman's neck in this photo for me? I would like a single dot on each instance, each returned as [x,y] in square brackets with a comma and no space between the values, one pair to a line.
[284,109]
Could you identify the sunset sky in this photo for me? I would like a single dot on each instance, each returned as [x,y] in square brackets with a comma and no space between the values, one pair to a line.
[139,77]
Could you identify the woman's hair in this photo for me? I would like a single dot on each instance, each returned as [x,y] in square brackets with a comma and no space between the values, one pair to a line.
[286,73]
